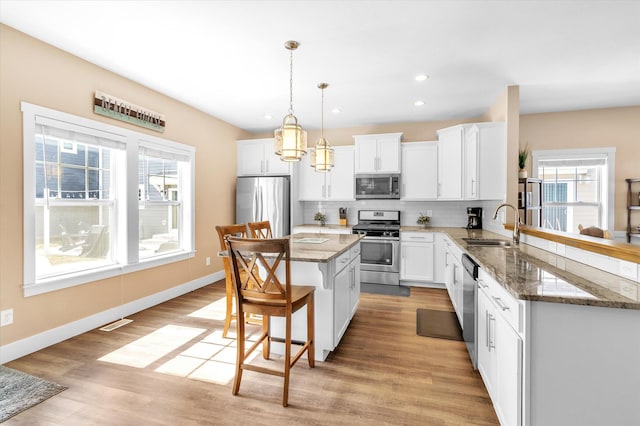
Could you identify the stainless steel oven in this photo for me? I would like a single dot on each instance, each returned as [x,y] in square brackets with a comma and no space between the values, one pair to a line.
[379,260]
[380,248]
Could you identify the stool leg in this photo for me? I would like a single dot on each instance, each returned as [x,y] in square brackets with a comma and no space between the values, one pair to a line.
[266,343]
[287,360]
[311,351]
[229,314]
[240,339]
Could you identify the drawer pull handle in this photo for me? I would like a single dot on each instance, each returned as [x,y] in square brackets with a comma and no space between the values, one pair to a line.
[501,305]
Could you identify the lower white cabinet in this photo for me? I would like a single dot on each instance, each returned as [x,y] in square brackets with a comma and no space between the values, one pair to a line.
[453,276]
[346,290]
[500,349]
[416,260]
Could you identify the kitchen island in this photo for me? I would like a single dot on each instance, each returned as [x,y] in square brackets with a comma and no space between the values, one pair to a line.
[558,341]
[331,263]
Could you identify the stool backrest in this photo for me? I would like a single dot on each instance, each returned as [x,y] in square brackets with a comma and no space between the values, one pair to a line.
[260,229]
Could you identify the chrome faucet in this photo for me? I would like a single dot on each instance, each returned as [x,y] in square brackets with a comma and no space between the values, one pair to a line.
[516,218]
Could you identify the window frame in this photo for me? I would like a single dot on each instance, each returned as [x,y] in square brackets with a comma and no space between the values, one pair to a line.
[125,255]
[583,153]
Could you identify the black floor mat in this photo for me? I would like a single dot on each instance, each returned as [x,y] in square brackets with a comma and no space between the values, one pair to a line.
[439,324]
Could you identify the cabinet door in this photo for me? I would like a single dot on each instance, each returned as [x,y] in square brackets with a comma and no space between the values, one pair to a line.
[458,276]
[471,138]
[388,154]
[273,164]
[341,303]
[251,157]
[354,298]
[311,184]
[419,171]
[341,176]
[485,342]
[366,155]
[416,261]
[509,373]
[450,164]
[492,162]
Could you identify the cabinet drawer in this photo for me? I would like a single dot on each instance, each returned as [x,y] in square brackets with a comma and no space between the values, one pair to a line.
[355,251]
[508,306]
[343,260]
[417,237]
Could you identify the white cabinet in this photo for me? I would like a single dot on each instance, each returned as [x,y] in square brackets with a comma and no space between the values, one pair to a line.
[472,162]
[485,164]
[257,157]
[454,275]
[450,163]
[336,185]
[346,290]
[416,260]
[419,171]
[500,349]
[377,153]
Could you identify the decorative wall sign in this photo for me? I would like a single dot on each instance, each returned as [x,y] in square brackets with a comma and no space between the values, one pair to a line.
[112,107]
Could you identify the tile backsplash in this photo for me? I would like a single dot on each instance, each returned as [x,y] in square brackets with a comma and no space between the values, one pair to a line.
[444,213]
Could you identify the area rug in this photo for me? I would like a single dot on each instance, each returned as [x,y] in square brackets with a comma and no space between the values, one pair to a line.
[438,324]
[390,290]
[20,391]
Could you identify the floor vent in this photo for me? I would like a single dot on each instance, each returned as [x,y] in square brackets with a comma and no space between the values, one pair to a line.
[116,324]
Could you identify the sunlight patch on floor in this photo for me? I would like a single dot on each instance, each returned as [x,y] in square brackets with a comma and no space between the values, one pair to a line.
[144,351]
[213,311]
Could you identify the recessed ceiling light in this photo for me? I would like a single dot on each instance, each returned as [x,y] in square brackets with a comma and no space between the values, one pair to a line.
[418,103]
[268,117]
[421,77]
[336,110]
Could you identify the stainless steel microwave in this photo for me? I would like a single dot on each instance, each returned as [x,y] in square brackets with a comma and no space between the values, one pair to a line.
[372,187]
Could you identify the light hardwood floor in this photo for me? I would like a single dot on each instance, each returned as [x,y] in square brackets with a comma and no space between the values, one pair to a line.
[171,366]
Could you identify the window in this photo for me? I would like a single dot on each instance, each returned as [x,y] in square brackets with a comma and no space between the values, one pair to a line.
[89,211]
[577,188]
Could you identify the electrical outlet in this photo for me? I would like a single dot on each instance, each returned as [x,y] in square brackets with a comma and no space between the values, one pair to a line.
[430,213]
[207,261]
[6,317]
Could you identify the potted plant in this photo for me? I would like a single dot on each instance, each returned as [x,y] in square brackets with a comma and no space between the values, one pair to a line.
[423,220]
[523,156]
[321,217]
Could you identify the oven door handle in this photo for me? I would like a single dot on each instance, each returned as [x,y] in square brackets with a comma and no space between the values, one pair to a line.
[391,239]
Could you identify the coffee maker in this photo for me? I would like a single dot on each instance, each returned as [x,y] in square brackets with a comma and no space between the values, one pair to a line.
[474,216]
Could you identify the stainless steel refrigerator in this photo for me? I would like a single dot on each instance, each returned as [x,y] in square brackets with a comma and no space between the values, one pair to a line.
[264,198]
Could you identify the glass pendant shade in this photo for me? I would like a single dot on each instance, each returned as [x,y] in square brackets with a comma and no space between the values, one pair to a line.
[322,156]
[290,140]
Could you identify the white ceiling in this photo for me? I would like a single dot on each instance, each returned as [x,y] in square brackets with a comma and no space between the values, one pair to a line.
[227,58]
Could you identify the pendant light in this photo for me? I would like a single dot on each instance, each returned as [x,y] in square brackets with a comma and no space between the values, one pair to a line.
[290,139]
[322,155]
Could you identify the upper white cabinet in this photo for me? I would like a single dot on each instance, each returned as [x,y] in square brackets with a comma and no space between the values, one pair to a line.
[257,157]
[450,163]
[336,185]
[419,171]
[378,153]
[485,160]
[472,162]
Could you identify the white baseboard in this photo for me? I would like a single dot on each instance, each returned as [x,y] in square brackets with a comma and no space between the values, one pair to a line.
[28,345]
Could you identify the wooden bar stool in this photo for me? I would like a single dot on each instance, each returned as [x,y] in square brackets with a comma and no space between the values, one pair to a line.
[239,230]
[260,229]
[267,297]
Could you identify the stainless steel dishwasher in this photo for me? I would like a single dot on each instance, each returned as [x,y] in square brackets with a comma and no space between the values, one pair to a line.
[469,307]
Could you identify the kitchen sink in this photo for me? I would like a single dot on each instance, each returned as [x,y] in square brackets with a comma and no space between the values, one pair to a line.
[487,242]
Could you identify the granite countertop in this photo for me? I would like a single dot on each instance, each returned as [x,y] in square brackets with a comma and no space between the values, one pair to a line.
[326,226]
[529,273]
[320,247]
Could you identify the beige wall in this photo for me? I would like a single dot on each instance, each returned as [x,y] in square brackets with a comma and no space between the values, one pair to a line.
[597,128]
[38,73]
